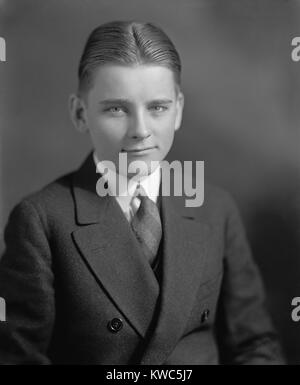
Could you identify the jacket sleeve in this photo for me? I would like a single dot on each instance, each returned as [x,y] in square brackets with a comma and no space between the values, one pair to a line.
[26,284]
[245,331]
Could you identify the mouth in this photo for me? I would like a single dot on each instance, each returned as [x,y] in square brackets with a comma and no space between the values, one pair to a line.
[139,150]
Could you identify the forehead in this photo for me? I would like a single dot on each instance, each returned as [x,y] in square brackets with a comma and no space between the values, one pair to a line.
[138,81]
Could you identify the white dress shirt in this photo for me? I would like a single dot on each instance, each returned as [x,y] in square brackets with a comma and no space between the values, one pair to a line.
[126,199]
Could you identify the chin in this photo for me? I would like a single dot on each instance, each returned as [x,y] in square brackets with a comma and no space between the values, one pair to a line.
[147,167]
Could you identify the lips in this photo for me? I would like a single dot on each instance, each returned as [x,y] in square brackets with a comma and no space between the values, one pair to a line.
[139,149]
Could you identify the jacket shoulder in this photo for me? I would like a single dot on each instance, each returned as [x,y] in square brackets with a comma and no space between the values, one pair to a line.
[52,201]
[218,196]
[217,203]
[52,193]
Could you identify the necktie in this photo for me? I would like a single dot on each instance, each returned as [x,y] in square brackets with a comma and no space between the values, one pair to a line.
[146,225]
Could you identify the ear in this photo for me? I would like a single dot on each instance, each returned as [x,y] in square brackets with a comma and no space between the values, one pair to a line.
[77,110]
[179,110]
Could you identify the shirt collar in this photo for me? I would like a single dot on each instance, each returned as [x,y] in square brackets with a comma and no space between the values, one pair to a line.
[150,183]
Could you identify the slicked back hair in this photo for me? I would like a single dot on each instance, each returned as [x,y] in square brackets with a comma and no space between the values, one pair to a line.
[127,43]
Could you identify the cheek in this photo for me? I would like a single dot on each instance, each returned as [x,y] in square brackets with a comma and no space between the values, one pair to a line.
[165,131]
[108,130]
[168,141]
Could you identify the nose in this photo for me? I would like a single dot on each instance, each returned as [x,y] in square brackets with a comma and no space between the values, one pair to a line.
[139,128]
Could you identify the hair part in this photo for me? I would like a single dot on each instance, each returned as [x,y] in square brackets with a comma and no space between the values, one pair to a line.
[127,43]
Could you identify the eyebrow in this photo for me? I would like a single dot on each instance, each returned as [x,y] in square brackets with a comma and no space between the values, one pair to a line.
[127,101]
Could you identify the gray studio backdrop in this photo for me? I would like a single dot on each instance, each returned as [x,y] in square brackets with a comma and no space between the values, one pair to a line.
[242,114]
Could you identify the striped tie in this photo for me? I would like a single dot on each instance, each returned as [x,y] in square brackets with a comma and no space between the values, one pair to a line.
[146,225]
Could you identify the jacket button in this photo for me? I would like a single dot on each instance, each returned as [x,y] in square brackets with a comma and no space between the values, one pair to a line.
[205,315]
[115,325]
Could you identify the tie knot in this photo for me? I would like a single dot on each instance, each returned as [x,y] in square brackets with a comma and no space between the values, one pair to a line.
[140,192]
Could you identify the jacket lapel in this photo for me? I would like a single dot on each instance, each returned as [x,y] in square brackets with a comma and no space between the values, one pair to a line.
[110,249]
[185,256]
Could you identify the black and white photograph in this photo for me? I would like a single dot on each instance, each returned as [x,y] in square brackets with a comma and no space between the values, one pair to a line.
[149,185]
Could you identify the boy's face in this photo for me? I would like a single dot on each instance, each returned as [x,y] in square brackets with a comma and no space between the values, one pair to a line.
[132,109]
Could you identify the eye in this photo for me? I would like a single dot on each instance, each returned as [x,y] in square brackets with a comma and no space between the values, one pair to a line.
[159,108]
[116,110]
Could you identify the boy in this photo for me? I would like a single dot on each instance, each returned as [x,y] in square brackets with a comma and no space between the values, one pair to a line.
[136,278]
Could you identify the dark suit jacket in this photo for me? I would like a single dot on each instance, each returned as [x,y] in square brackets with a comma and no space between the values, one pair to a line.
[72,264]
